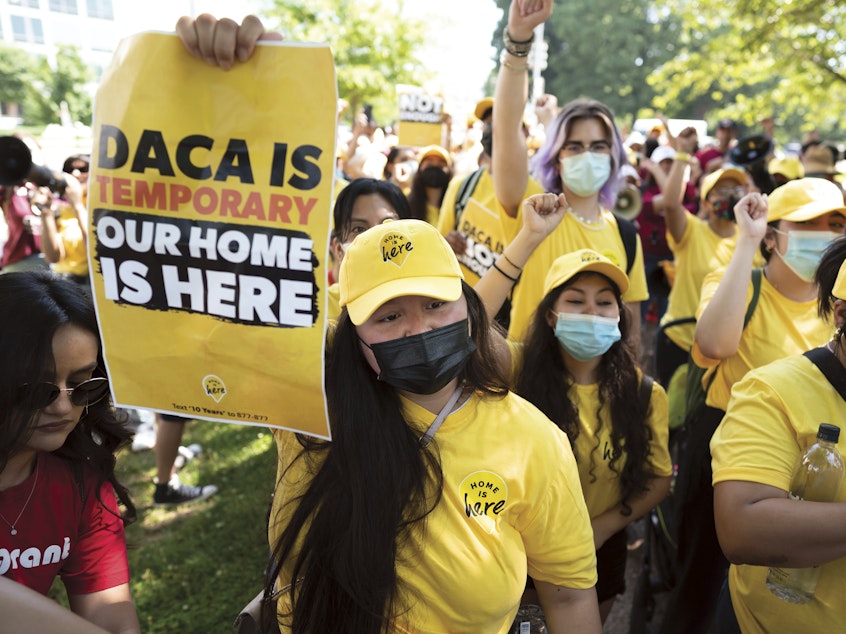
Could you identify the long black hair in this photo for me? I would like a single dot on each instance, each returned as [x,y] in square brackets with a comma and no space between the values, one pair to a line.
[418,199]
[544,373]
[373,486]
[344,203]
[33,306]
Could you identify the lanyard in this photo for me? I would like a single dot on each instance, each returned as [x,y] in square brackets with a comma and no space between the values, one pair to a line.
[426,438]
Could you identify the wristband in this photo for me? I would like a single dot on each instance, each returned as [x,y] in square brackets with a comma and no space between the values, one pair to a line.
[682,156]
[517,49]
[513,279]
[512,67]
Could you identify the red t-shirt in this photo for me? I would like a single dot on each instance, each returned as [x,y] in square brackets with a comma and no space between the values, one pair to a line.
[57,536]
[20,243]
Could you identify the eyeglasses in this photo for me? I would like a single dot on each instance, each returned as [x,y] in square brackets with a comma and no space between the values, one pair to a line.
[728,192]
[40,395]
[577,147]
[81,168]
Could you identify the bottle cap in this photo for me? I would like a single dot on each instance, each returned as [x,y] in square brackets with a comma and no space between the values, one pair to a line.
[830,433]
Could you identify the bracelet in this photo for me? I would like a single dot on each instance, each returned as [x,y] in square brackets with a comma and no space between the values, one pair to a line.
[513,279]
[682,156]
[507,259]
[517,48]
[512,67]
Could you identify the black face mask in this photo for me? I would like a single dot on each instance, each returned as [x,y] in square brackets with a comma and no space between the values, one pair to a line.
[434,177]
[424,363]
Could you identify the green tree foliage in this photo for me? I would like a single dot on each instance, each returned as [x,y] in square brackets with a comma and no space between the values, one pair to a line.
[375,45]
[605,50]
[66,83]
[17,72]
[40,89]
[751,59]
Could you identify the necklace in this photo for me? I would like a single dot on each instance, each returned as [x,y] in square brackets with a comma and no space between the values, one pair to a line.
[590,223]
[12,525]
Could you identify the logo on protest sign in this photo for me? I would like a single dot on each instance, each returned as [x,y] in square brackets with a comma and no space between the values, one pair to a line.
[214,387]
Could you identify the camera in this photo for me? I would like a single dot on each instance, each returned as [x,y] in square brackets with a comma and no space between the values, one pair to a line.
[16,166]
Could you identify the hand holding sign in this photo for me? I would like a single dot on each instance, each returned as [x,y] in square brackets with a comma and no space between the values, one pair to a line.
[218,42]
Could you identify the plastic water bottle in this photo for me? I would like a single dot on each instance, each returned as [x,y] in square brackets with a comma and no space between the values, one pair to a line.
[817,479]
[529,620]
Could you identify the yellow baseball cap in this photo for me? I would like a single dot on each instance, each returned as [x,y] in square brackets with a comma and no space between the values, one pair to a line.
[434,150]
[482,107]
[788,166]
[839,289]
[710,180]
[804,199]
[396,258]
[568,266]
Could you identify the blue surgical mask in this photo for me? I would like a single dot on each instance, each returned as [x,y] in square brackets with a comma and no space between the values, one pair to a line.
[584,174]
[805,250]
[587,336]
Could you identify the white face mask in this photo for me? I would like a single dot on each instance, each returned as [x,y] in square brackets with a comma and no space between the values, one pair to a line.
[805,250]
[584,174]
[345,246]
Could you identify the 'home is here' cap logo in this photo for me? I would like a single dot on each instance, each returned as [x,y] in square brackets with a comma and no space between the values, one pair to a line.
[395,247]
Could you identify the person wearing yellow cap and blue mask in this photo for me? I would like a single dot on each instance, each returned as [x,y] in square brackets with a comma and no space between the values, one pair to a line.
[575,365]
[792,229]
[773,416]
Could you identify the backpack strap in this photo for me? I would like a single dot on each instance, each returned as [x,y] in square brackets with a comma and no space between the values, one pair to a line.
[465,191]
[757,274]
[828,364]
[628,234]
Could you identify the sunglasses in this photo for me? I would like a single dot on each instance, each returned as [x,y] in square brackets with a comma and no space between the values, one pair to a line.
[40,395]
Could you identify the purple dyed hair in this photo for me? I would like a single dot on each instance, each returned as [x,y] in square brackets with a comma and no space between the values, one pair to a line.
[545,161]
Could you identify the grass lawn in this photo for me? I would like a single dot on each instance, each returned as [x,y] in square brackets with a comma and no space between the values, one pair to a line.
[194,567]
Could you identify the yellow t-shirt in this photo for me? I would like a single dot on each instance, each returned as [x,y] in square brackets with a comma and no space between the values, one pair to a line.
[725,249]
[772,419]
[601,485]
[432,213]
[480,223]
[570,235]
[511,505]
[694,256]
[75,261]
[778,328]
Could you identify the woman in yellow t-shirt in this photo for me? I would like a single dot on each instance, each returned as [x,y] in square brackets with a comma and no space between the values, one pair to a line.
[584,377]
[792,227]
[581,157]
[772,417]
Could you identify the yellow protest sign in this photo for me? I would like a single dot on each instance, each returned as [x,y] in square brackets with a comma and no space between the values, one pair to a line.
[420,116]
[209,198]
